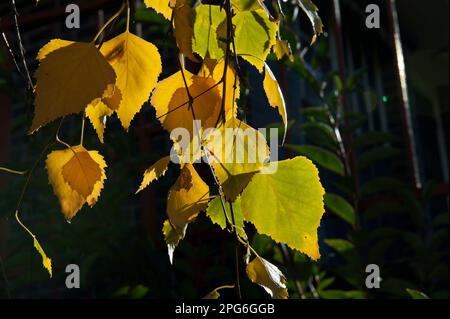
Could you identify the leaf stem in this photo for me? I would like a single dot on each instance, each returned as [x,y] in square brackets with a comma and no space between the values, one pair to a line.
[12,171]
[113,18]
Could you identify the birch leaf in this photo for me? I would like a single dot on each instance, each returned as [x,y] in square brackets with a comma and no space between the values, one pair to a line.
[70,200]
[63,87]
[171,101]
[137,64]
[237,154]
[160,6]
[312,12]
[287,205]
[187,197]
[46,262]
[154,172]
[268,276]
[275,95]
[173,236]
[97,114]
[81,172]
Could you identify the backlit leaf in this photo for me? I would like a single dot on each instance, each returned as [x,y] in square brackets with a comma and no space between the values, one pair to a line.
[217,216]
[137,64]
[173,236]
[312,12]
[154,172]
[46,262]
[81,172]
[275,95]
[287,205]
[254,36]
[205,41]
[187,197]
[215,293]
[70,200]
[97,114]
[236,155]
[171,101]
[63,87]
[268,276]
[160,6]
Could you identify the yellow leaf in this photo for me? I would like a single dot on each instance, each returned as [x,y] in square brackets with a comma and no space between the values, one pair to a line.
[274,95]
[187,197]
[173,236]
[81,172]
[154,172]
[215,293]
[283,48]
[137,64]
[70,200]
[51,46]
[237,154]
[183,20]
[161,6]
[268,276]
[46,262]
[68,79]
[171,102]
[97,115]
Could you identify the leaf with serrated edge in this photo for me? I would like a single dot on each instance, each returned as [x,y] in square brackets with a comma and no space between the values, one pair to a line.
[70,200]
[275,96]
[268,276]
[173,236]
[137,64]
[63,87]
[81,172]
[187,197]
[154,172]
[287,205]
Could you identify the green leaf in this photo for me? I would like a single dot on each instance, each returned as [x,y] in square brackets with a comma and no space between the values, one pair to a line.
[340,245]
[287,205]
[320,113]
[254,36]
[339,206]
[415,294]
[312,12]
[381,184]
[205,41]
[377,154]
[217,216]
[320,156]
[370,139]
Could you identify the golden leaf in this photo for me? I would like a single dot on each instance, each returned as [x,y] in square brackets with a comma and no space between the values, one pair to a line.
[171,101]
[81,172]
[154,172]
[97,114]
[268,276]
[70,200]
[187,197]
[68,79]
[275,96]
[137,64]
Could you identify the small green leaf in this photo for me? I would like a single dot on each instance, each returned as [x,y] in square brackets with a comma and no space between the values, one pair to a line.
[312,12]
[339,206]
[377,154]
[320,156]
[415,294]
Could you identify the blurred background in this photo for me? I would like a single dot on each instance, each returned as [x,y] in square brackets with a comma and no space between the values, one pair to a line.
[368,106]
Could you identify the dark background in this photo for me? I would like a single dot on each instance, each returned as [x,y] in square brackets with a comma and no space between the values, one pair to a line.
[402,225]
